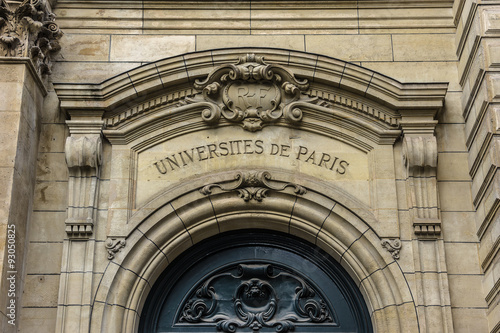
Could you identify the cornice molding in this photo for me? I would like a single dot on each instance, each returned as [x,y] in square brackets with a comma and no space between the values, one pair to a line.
[183,70]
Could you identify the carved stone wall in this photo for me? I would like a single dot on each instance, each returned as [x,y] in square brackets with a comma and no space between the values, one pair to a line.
[478,46]
[338,122]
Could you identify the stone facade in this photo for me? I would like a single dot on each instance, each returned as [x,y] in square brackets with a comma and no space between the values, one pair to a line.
[134,130]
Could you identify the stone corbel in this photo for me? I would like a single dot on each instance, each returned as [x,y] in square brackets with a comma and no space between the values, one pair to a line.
[420,159]
[84,156]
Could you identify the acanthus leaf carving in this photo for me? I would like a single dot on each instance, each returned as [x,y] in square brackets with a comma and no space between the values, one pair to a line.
[29,31]
[251,93]
[253,186]
[393,246]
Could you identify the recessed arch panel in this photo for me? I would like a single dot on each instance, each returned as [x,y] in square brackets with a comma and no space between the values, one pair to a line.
[255,280]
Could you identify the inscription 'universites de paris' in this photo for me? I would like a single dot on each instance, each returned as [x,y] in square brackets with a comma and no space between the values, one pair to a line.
[249,147]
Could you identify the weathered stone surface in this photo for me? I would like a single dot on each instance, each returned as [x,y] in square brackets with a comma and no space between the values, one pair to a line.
[335,144]
[127,48]
[424,47]
[352,48]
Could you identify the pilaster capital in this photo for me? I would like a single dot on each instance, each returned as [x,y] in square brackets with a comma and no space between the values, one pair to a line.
[28,30]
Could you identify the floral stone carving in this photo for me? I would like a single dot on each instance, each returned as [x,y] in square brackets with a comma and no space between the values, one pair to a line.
[393,246]
[251,93]
[252,186]
[29,31]
[251,296]
[113,246]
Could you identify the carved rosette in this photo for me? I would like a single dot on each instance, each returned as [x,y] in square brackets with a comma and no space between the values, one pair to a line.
[29,31]
[251,93]
[420,159]
[255,302]
[252,186]
[393,246]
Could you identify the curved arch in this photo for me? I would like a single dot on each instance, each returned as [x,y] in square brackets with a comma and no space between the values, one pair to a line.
[184,69]
[188,217]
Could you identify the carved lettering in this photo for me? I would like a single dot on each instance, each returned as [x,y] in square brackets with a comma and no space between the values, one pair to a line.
[223,149]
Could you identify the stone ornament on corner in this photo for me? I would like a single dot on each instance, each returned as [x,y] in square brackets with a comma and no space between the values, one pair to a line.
[27,29]
[251,93]
[393,246]
[114,245]
[252,186]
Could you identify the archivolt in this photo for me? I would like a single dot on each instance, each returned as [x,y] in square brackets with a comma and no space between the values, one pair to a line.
[324,216]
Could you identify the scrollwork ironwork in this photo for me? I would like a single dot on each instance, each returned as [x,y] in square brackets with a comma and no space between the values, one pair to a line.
[257,301]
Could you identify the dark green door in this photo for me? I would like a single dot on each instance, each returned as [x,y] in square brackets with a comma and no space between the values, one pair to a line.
[255,281]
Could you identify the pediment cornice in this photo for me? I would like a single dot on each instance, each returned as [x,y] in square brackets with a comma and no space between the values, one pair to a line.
[279,85]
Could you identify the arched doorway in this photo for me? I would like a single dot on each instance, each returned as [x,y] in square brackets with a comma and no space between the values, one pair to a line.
[255,280]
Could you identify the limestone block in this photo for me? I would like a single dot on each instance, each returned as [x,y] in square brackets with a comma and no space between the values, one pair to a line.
[458,226]
[229,18]
[51,196]
[486,249]
[450,138]
[44,258]
[490,17]
[493,82]
[475,68]
[305,20]
[9,132]
[149,48]
[208,42]
[465,291]
[47,226]
[469,320]
[51,167]
[99,20]
[419,71]
[492,53]
[351,48]
[52,138]
[493,315]
[453,166]
[177,246]
[425,19]
[82,47]
[51,112]
[424,47]
[38,320]
[89,72]
[455,196]
[461,258]
[40,290]
[11,95]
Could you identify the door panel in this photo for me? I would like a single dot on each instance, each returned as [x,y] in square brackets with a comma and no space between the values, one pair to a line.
[255,281]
